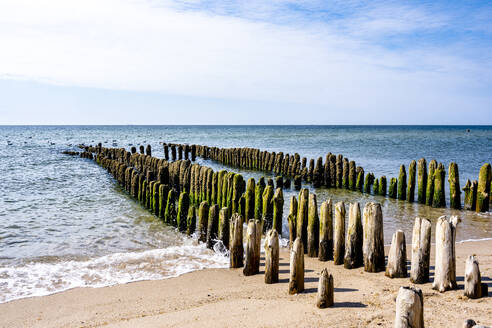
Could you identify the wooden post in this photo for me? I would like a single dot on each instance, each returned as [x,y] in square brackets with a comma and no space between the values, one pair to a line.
[260,187]
[183,206]
[271,257]
[278,210]
[326,289]
[297,182]
[373,241]
[454,186]
[292,218]
[422,180]
[345,171]
[279,182]
[339,170]
[375,187]
[445,267]
[339,239]
[326,232]
[212,226]
[296,278]
[173,152]
[470,195]
[318,173]
[439,176]
[267,208]
[148,150]
[397,256]
[163,194]
[353,243]
[368,182]
[359,185]
[483,189]
[302,217]
[411,181]
[170,213]
[382,186]
[236,245]
[224,226]
[203,221]
[421,243]
[429,195]
[352,176]
[313,227]
[238,189]
[409,308]
[252,263]
[166,152]
[191,220]
[392,192]
[473,283]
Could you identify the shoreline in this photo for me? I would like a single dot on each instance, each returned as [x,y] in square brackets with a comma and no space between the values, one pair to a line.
[224,297]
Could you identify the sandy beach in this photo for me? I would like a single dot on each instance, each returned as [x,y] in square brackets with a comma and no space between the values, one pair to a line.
[226,298]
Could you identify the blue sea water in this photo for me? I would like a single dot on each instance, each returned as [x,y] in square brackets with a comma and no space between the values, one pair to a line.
[65,223]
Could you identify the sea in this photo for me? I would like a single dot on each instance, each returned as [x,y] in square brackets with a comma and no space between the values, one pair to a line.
[65,223]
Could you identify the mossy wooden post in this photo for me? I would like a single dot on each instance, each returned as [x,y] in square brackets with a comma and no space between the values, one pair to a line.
[326,172]
[402,183]
[267,208]
[339,237]
[212,226]
[445,267]
[297,182]
[224,226]
[411,181]
[191,221]
[278,210]
[203,221]
[454,186]
[470,195]
[473,280]
[250,200]
[397,256]
[296,277]
[311,170]
[353,242]
[421,243]
[163,194]
[292,220]
[373,240]
[333,171]
[271,256]
[375,187]
[155,198]
[382,186]
[236,249]
[259,188]
[483,189]
[313,227]
[429,191]
[183,206]
[279,182]
[325,297]
[302,217]
[252,262]
[238,190]
[345,171]
[409,308]
[170,213]
[339,170]
[318,173]
[325,252]
[359,184]
[173,152]
[393,192]
[439,197]
[422,180]
[352,177]
[368,182]
[214,185]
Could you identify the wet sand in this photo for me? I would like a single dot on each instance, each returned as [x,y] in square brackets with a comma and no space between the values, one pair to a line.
[225,298]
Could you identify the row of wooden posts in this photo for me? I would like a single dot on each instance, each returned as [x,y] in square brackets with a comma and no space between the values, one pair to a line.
[339,172]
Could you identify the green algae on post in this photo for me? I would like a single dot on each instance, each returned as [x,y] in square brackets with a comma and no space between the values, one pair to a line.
[392,192]
[249,212]
[260,187]
[170,213]
[454,186]
[430,183]
[359,184]
[411,181]
[382,186]
[368,182]
[183,207]
[203,221]
[267,208]
[278,210]
[402,183]
[191,220]
[352,176]
[483,189]
[439,194]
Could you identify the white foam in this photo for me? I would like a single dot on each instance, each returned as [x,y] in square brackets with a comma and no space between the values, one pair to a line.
[38,279]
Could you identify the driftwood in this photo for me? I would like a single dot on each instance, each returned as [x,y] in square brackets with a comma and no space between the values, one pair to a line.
[373,241]
[271,256]
[296,278]
[353,242]
[445,268]
[325,290]
[236,242]
[339,239]
[252,262]
[326,232]
[313,227]
[397,257]
[409,308]
[421,243]
[473,284]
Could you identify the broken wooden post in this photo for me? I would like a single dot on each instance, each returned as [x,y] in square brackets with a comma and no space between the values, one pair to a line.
[271,256]
[252,262]
[212,226]
[397,256]
[421,243]
[224,226]
[483,189]
[203,221]
[313,227]
[353,243]
[296,277]
[373,241]
[473,281]
[411,181]
[470,190]
[278,210]
[445,267]
[325,297]
[292,218]
[302,217]
[326,232]
[339,238]
[409,308]
[236,249]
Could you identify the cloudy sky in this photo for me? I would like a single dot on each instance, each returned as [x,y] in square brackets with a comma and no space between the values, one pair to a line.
[245,62]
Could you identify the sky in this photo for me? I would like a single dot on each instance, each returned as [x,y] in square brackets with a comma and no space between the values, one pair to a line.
[245,62]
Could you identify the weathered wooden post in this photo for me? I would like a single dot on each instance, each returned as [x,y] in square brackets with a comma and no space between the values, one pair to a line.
[186,150]
[236,243]
[373,241]
[163,194]
[203,221]
[411,181]
[359,184]
[339,239]
[212,226]
[183,206]
[445,267]
[421,243]
[170,212]
[173,152]
[470,190]
[473,280]
[409,308]
[382,186]
[259,189]
[224,226]
[345,172]
[333,171]
[326,290]
[352,176]
[339,170]
[302,217]
[271,256]
[297,182]
[375,187]
[368,182]
[238,189]
[313,227]
[397,256]
[311,170]
[483,189]
[142,149]
[191,221]
[439,176]
[422,180]
[267,208]
[180,152]
[166,152]
[148,150]
[296,278]
[353,243]
[193,153]
[454,186]
[292,220]
[392,192]
[279,182]
[318,173]
[429,191]
[252,263]
[278,210]
[326,232]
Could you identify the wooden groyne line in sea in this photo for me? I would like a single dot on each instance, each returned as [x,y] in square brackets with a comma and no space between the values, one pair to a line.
[312,231]
[338,172]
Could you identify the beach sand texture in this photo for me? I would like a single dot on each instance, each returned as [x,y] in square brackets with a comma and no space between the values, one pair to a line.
[226,298]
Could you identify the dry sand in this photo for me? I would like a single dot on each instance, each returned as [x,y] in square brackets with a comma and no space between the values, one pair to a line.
[225,298]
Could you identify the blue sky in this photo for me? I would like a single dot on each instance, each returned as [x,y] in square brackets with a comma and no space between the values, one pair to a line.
[245,62]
